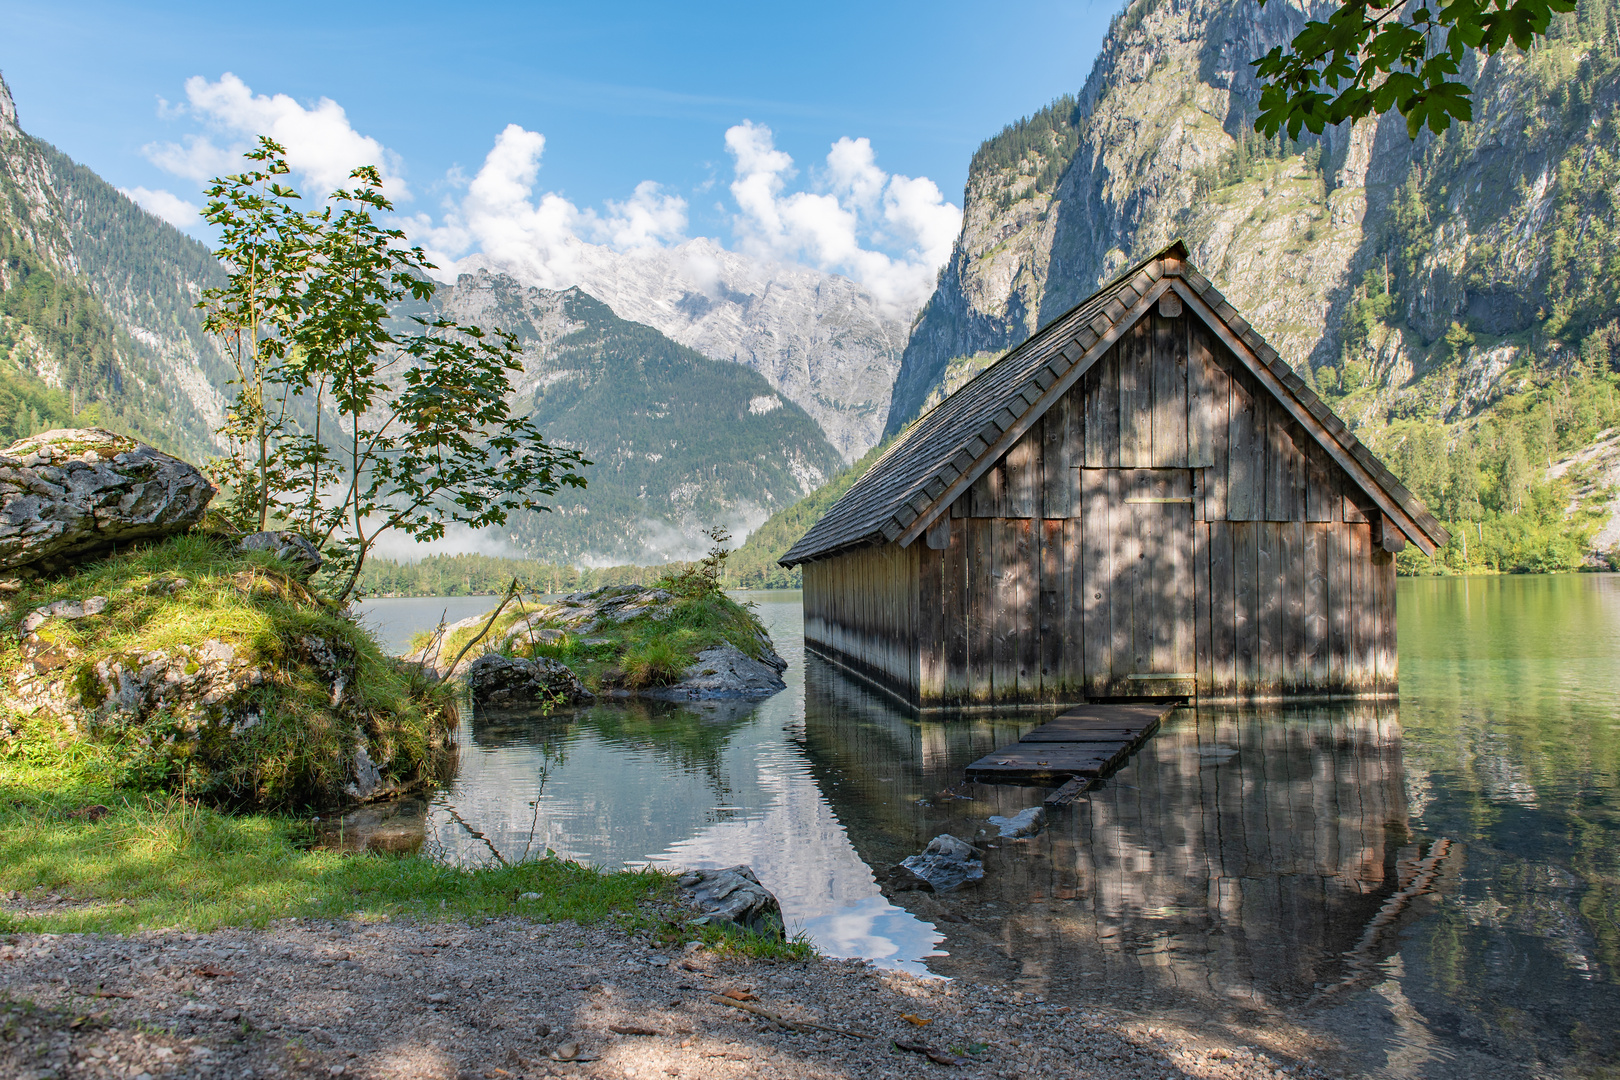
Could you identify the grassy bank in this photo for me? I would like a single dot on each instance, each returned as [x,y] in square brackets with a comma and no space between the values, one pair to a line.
[171,817]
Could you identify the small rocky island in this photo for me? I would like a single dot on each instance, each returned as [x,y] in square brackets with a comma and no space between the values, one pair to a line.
[674,643]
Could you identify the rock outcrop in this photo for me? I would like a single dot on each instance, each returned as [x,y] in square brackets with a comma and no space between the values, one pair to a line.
[504,681]
[722,671]
[246,717]
[725,671]
[74,494]
[733,896]
[296,550]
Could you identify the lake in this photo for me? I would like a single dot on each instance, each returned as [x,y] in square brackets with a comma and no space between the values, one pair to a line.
[1433,885]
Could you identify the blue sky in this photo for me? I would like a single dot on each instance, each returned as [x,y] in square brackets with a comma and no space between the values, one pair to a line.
[622,94]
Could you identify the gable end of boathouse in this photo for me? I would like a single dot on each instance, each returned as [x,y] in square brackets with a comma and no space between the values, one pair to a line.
[1142,500]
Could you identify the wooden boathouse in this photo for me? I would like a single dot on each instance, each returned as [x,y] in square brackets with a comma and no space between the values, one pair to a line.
[1142,500]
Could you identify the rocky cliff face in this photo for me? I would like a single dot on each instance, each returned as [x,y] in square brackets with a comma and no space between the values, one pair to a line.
[77,253]
[1159,145]
[820,340]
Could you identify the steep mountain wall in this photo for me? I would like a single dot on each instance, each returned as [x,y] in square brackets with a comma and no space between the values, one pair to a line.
[97,304]
[1158,145]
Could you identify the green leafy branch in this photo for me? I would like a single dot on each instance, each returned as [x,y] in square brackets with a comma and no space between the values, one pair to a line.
[1368,58]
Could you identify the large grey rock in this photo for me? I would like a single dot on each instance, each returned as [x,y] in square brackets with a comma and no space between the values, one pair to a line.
[724,671]
[499,680]
[733,895]
[74,494]
[945,865]
[289,547]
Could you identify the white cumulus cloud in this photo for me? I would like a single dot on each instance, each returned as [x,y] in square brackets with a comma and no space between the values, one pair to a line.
[846,227]
[322,146]
[501,216]
[166,205]
[888,232]
[891,233]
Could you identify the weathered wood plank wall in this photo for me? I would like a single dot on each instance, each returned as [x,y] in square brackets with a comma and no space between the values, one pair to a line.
[864,606]
[1165,528]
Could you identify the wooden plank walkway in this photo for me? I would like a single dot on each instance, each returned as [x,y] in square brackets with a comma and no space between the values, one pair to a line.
[1074,749]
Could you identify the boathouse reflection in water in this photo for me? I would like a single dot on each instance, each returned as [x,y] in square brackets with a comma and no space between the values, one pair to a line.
[1259,857]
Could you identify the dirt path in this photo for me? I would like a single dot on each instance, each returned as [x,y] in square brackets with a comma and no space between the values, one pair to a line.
[503,1000]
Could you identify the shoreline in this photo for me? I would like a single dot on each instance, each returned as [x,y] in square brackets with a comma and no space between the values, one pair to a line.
[501,999]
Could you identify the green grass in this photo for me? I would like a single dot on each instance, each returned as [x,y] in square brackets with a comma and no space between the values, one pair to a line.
[178,594]
[168,863]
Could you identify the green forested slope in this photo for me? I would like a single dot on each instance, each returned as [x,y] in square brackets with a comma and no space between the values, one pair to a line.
[753,565]
[486,575]
[679,442]
[50,325]
[97,306]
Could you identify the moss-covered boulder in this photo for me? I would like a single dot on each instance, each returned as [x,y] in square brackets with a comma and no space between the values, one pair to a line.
[193,665]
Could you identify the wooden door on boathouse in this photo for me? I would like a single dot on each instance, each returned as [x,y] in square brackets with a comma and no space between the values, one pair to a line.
[1138,561]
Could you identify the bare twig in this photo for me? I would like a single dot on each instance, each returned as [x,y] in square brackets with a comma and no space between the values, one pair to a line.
[511,591]
[430,649]
[798,1025]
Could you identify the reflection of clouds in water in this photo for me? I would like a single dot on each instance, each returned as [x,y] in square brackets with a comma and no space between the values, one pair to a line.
[876,929]
[800,851]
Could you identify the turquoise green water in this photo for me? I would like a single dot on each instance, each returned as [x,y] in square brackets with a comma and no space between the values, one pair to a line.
[1429,888]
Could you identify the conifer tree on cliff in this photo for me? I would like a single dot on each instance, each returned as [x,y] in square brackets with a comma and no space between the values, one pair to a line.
[351,419]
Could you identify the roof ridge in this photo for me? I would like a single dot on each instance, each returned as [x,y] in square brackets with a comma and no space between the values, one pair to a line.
[951,440]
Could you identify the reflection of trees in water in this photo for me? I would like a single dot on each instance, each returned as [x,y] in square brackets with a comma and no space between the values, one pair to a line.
[689,735]
[1242,855]
[1517,730]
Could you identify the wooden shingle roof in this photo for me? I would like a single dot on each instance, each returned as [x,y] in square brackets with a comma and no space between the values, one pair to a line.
[948,448]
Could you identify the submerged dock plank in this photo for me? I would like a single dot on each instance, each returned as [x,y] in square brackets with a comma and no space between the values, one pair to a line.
[1085,742]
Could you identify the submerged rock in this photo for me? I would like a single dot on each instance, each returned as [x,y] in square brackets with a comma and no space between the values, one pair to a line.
[499,680]
[1022,825]
[290,547]
[74,494]
[945,865]
[733,895]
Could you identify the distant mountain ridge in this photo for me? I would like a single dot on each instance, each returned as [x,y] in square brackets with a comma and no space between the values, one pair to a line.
[821,340]
[679,442]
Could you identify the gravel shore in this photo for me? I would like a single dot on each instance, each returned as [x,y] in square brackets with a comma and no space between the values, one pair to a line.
[511,998]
